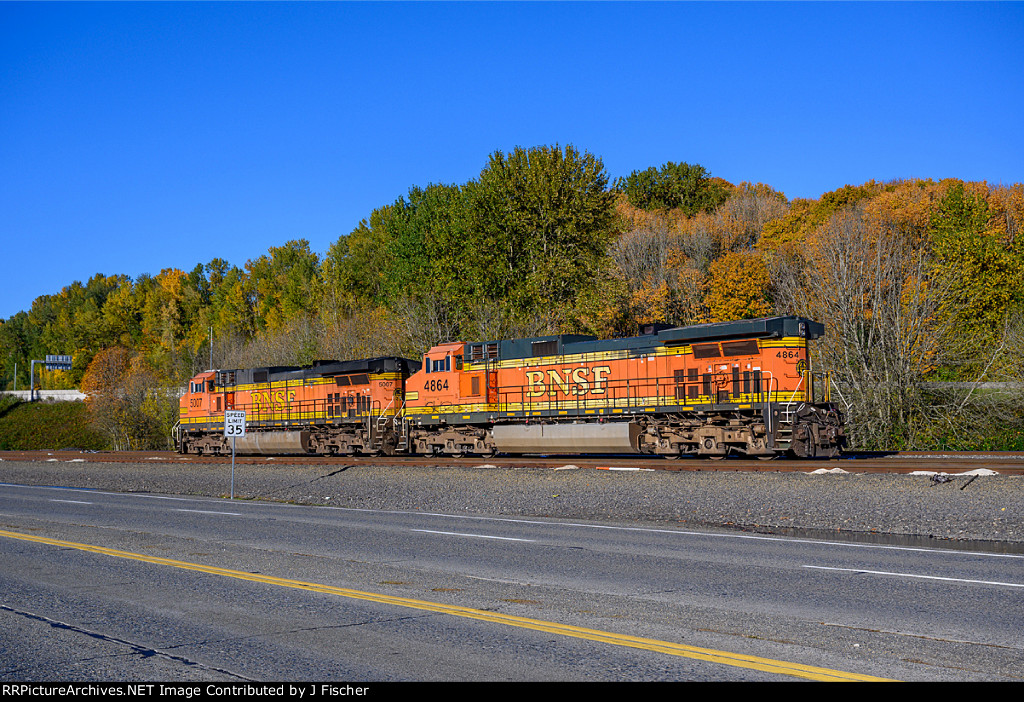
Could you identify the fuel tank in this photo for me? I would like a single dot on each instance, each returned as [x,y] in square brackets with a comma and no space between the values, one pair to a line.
[611,437]
[273,442]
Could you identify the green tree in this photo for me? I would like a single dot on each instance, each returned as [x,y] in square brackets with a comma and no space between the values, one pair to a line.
[530,233]
[233,305]
[541,223]
[414,247]
[673,186]
[986,267]
[15,338]
[284,283]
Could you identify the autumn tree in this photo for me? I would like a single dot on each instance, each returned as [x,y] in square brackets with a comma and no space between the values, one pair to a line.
[172,319]
[657,274]
[876,291]
[642,258]
[738,287]
[122,316]
[674,267]
[805,216]
[118,384]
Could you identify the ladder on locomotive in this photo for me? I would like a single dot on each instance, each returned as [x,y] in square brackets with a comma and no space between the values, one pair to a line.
[399,424]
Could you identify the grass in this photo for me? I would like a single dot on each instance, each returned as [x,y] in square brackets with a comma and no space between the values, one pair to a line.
[28,426]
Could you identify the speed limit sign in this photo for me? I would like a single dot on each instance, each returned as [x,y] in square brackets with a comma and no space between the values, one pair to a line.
[234,423]
[234,427]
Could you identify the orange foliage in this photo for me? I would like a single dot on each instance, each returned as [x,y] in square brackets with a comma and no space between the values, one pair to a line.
[104,373]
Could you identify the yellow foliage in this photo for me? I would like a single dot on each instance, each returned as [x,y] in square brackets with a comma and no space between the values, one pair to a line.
[631,217]
[1006,208]
[105,372]
[788,230]
[691,307]
[907,206]
[737,286]
[170,282]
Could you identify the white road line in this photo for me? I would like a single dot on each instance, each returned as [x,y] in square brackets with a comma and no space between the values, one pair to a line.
[912,575]
[153,497]
[73,502]
[203,511]
[474,536]
[675,532]
[681,532]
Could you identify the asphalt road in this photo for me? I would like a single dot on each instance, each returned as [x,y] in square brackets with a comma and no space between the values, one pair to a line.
[107,586]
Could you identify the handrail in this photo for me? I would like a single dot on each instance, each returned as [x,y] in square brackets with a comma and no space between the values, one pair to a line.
[382,419]
[771,378]
[792,398]
[631,393]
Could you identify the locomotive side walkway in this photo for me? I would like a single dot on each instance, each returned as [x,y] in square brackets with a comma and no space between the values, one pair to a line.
[984,509]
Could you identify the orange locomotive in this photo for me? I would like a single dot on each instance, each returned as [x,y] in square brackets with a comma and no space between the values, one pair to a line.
[741,387]
[328,408]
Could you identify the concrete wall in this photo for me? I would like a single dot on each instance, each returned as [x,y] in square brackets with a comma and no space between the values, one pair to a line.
[48,395]
[75,395]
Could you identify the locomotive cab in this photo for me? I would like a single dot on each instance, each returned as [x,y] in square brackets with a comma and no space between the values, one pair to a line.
[198,400]
[437,382]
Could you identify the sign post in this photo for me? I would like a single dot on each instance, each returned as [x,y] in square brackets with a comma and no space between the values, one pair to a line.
[234,426]
[53,362]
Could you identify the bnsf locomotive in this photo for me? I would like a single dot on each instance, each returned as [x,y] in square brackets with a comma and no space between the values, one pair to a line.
[744,387]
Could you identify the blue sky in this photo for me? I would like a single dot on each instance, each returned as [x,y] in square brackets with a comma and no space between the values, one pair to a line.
[137,137]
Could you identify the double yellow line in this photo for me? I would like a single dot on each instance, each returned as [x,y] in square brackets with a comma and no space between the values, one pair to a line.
[673,649]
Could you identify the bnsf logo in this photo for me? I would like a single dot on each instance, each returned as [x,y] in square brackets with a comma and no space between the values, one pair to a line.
[570,381]
[268,400]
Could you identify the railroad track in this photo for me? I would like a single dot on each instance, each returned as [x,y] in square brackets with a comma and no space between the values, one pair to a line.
[1005,463]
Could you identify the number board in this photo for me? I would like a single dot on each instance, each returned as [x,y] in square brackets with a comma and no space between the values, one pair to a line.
[234,423]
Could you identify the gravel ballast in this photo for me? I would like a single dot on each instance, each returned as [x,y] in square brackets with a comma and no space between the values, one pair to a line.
[976,508]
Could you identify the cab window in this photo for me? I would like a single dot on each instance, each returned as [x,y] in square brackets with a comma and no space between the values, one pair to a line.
[439,365]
